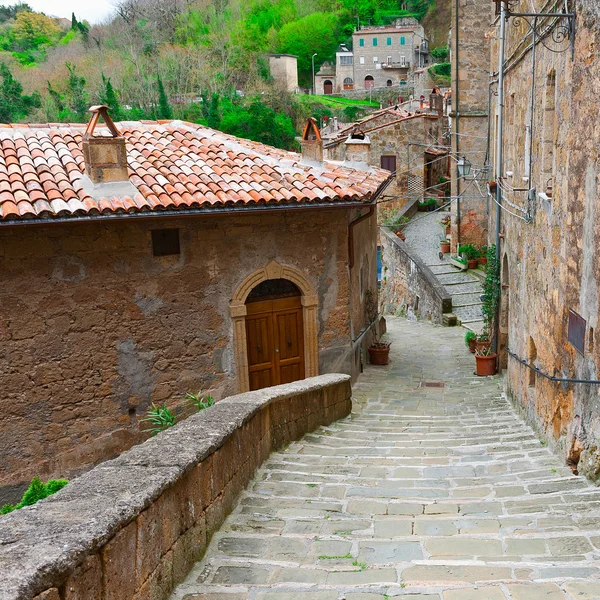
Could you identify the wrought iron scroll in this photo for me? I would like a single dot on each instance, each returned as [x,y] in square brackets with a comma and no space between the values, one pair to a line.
[559,26]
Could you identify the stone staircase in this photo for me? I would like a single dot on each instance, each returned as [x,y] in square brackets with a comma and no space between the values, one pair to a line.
[465,288]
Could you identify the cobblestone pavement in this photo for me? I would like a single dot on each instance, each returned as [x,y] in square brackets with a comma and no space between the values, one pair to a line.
[424,493]
[423,235]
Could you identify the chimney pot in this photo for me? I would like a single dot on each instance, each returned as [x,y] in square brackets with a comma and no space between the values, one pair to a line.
[105,157]
[312,144]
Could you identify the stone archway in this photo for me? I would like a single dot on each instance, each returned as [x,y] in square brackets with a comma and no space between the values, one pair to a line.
[238,313]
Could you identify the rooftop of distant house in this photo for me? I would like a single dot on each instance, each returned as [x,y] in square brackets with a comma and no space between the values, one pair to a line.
[172,166]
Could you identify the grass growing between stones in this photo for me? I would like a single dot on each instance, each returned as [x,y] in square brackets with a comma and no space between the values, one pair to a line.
[36,491]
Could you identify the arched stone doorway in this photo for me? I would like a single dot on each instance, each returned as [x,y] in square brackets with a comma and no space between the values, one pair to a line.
[348,83]
[240,308]
[369,82]
[389,83]
[328,87]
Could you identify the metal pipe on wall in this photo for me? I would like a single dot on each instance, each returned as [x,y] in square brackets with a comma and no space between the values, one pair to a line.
[499,149]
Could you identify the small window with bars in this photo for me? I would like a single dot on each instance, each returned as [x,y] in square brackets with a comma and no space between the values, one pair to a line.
[165,242]
[388,163]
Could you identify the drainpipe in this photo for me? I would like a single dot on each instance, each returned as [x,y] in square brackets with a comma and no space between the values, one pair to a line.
[455,110]
[499,148]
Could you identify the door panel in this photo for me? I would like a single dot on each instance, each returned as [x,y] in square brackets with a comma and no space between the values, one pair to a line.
[274,332]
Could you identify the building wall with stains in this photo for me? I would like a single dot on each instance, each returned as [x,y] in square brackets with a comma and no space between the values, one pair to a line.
[94,328]
[470,68]
[550,264]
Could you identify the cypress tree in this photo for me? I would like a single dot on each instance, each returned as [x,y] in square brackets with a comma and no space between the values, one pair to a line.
[76,84]
[164,108]
[109,97]
[214,116]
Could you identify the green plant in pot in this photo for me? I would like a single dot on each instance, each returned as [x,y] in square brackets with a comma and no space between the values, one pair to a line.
[471,253]
[470,340]
[394,220]
[379,350]
[485,357]
[483,255]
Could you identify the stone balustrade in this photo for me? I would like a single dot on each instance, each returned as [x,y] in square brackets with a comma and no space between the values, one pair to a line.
[132,527]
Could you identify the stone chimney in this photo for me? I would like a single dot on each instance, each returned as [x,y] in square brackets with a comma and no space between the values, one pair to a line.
[312,144]
[105,157]
[358,149]
[436,104]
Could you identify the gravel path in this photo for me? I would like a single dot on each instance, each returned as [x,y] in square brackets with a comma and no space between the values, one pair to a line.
[424,493]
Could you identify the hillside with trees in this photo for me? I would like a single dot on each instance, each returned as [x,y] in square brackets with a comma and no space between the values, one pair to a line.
[200,60]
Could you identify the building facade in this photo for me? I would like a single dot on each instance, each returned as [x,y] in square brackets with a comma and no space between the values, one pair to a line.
[549,226]
[284,70]
[217,264]
[469,53]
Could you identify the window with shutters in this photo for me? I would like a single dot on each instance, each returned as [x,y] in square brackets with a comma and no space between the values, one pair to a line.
[388,163]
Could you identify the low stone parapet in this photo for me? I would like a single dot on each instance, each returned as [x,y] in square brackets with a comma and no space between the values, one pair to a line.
[132,527]
[410,282]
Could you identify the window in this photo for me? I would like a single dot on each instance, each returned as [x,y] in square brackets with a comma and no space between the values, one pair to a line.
[403,41]
[361,42]
[374,41]
[389,83]
[389,60]
[388,162]
[375,59]
[369,82]
[389,41]
[165,242]
[345,60]
[403,61]
[362,60]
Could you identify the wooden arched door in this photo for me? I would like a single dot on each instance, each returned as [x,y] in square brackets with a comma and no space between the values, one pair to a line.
[274,334]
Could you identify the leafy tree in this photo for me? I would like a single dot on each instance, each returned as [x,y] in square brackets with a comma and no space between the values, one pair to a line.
[14,105]
[440,54]
[214,115]
[164,108]
[11,11]
[32,30]
[56,98]
[108,96]
[318,32]
[78,101]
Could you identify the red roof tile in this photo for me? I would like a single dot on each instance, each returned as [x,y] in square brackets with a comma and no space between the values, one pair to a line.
[173,165]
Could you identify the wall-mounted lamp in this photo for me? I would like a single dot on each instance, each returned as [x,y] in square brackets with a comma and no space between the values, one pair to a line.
[464,167]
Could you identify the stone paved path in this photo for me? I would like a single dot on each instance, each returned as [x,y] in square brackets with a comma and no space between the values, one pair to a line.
[425,493]
[423,235]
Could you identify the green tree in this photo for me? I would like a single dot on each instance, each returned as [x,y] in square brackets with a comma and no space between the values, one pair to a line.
[11,11]
[56,98]
[78,101]
[440,54]
[32,30]
[214,115]
[318,32]
[164,108]
[14,105]
[109,97]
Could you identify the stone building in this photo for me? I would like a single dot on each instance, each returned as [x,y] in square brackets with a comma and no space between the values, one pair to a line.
[404,142]
[284,70]
[548,243]
[325,81]
[386,56]
[161,259]
[469,53]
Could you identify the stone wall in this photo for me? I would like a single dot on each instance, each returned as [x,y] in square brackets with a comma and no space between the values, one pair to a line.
[133,527]
[550,265]
[408,278]
[469,115]
[94,328]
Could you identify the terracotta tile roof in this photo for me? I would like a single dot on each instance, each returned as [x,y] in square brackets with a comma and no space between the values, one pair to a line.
[173,166]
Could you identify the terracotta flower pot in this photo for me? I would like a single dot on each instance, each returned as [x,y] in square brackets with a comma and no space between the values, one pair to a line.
[472,264]
[379,356]
[445,247]
[485,365]
[472,346]
[483,260]
[479,346]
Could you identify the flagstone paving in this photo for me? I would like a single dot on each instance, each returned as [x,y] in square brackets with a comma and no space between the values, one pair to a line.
[424,493]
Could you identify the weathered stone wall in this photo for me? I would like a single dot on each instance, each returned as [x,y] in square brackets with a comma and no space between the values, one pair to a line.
[133,527]
[551,264]
[94,327]
[406,278]
[469,115]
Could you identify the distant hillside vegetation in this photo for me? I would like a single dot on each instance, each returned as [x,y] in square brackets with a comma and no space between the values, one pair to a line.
[437,22]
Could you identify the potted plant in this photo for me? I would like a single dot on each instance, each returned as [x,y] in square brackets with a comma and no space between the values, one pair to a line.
[444,246]
[484,355]
[483,255]
[470,340]
[492,185]
[431,204]
[471,253]
[423,206]
[379,350]
[395,221]
[459,262]
[485,361]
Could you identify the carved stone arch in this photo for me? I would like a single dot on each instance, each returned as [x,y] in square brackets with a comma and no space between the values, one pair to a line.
[238,311]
